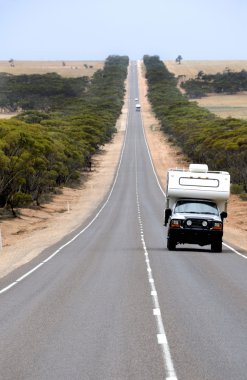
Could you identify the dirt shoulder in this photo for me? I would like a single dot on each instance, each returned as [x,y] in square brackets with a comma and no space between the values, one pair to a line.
[34,230]
[25,237]
[167,156]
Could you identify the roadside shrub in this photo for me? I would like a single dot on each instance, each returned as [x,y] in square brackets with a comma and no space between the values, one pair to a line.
[236,188]
[19,199]
[201,135]
[243,197]
[228,82]
[48,147]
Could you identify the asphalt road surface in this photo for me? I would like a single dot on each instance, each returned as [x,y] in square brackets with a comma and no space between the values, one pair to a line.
[110,302]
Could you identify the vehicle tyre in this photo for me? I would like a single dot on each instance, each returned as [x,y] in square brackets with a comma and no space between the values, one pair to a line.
[216,246]
[171,244]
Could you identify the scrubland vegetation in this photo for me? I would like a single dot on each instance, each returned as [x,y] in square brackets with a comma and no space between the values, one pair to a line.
[64,121]
[228,82]
[203,137]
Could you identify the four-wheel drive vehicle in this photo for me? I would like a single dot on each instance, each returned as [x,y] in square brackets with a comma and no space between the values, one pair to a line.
[196,205]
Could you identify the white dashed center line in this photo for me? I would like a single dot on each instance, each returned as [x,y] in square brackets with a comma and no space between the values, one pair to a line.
[161,335]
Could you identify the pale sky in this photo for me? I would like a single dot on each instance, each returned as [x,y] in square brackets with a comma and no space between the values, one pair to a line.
[95,29]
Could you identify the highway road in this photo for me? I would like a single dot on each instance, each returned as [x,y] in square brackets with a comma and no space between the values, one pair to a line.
[110,302]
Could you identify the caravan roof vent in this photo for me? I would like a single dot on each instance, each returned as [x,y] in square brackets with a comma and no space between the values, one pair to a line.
[198,168]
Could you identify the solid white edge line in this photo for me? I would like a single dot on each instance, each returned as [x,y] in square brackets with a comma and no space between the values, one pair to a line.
[161,336]
[234,250]
[150,158]
[8,287]
[163,192]
[5,289]
[29,272]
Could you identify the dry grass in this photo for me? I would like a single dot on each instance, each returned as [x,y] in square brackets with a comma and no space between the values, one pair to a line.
[226,105]
[34,230]
[191,68]
[72,69]
[221,105]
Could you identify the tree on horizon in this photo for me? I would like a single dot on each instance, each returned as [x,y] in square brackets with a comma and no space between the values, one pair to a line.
[179,59]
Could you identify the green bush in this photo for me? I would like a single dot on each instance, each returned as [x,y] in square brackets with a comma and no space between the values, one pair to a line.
[202,136]
[228,82]
[243,197]
[48,146]
[236,188]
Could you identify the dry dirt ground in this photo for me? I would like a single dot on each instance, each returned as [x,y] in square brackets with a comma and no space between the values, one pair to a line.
[191,68]
[25,237]
[221,105]
[63,68]
[69,69]
[226,105]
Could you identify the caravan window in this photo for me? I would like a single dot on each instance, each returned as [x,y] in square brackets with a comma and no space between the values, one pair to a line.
[200,182]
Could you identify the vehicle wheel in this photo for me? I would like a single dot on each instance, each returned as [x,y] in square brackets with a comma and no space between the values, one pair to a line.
[171,244]
[216,246]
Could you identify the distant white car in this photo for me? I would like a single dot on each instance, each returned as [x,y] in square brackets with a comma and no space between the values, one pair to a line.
[136,99]
[138,107]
